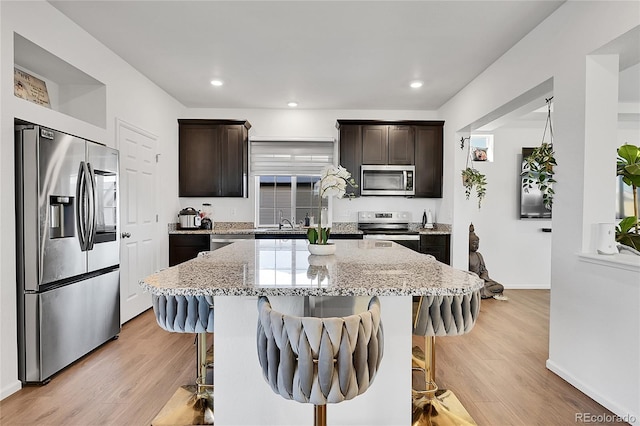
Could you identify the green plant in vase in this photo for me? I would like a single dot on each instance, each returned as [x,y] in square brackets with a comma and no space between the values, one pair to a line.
[628,166]
[333,183]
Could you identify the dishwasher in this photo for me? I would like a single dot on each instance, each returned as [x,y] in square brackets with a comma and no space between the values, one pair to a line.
[221,240]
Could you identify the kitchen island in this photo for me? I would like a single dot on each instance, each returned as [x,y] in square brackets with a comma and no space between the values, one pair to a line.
[284,271]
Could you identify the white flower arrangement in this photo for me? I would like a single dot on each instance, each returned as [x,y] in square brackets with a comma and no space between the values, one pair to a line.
[333,183]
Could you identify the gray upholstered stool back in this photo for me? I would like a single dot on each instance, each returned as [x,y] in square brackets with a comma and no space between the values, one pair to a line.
[319,360]
[446,315]
[184,314]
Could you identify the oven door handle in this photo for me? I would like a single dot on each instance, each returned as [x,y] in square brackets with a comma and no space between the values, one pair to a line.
[395,237]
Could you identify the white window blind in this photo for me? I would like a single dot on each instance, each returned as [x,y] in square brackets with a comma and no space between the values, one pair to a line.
[290,157]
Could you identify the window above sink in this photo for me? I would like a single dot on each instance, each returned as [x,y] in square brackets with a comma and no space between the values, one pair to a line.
[285,197]
[285,172]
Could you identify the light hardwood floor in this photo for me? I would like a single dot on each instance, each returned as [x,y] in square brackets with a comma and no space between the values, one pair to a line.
[498,369]
[498,372]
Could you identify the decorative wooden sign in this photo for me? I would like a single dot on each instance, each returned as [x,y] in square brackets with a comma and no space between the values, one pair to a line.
[28,87]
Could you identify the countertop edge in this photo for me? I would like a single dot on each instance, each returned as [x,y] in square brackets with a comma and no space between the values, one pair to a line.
[308,291]
[283,231]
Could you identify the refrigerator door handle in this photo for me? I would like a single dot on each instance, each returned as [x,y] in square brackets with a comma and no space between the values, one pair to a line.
[81,223]
[91,219]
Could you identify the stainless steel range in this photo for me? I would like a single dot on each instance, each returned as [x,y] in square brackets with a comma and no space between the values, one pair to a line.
[389,226]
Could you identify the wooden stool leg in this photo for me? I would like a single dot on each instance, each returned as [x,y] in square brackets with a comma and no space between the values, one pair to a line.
[433,406]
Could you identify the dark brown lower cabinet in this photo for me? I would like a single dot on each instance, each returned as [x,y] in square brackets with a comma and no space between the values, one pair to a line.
[436,245]
[183,247]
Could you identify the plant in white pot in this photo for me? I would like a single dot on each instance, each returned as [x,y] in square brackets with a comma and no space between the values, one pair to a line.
[333,183]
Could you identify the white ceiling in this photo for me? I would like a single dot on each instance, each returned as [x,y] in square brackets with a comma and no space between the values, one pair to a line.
[322,54]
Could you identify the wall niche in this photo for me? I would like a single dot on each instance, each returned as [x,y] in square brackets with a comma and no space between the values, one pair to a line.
[70,91]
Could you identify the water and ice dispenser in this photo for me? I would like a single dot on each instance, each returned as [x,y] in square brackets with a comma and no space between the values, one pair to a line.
[61,217]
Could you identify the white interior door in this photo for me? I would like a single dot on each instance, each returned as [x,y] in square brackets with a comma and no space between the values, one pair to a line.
[138,220]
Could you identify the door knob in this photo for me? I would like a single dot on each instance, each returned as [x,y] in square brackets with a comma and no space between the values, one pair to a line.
[125,235]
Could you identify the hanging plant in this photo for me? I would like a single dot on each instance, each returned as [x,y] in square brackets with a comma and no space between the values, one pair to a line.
[472,179]
[537,169]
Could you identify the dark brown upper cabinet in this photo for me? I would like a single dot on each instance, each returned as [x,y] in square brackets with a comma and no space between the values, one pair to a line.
[387,144]
[213,158]
[418,143]
[428,154]
[401,145]
[351,153]
[375,143]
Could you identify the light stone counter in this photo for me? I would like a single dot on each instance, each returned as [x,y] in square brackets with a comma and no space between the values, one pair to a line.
[245,269]
[285,268]
[337,228]
[231,228]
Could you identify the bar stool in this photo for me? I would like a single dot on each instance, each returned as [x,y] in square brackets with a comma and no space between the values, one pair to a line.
[440,316]
[319,360]
[191,404]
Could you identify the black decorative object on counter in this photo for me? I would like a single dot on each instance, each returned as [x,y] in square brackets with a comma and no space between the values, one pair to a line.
[206,223]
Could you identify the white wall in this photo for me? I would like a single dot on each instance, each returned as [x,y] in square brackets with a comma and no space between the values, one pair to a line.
[130,97]
[287,123]
[527,263]
[516,251]
[558,49]
[629,132]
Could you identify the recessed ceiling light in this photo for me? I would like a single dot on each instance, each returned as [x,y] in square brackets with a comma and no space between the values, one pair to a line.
[216,82]
[292,104]
[416,84]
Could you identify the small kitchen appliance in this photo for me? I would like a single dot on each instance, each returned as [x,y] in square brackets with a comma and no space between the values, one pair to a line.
[189,218]
[206,223]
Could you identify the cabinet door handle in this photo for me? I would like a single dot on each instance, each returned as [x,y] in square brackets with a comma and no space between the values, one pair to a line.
[125,235]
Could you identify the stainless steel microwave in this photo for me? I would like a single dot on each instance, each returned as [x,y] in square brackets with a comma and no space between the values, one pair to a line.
[387,180]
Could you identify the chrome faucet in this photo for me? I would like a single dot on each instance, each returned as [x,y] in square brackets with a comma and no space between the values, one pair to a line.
[283,221]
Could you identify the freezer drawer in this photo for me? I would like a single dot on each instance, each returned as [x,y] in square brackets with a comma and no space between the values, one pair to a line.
[64,324]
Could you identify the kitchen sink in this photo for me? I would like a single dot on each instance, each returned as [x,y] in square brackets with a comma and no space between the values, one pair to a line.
[276,229]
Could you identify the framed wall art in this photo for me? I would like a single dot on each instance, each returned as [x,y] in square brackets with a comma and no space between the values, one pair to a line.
[30,88]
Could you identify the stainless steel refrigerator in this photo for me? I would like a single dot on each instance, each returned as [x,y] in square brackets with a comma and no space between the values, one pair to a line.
[67,249]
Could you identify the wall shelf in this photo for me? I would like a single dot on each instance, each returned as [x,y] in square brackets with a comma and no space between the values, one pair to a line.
[618,261]
[71,91]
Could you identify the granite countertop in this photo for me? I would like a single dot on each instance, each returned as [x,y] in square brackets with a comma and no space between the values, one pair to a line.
[285,268]
[240,228]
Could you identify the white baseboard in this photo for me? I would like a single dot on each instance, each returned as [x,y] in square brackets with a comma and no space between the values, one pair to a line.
[527,287]
[10,389]
[625,413]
